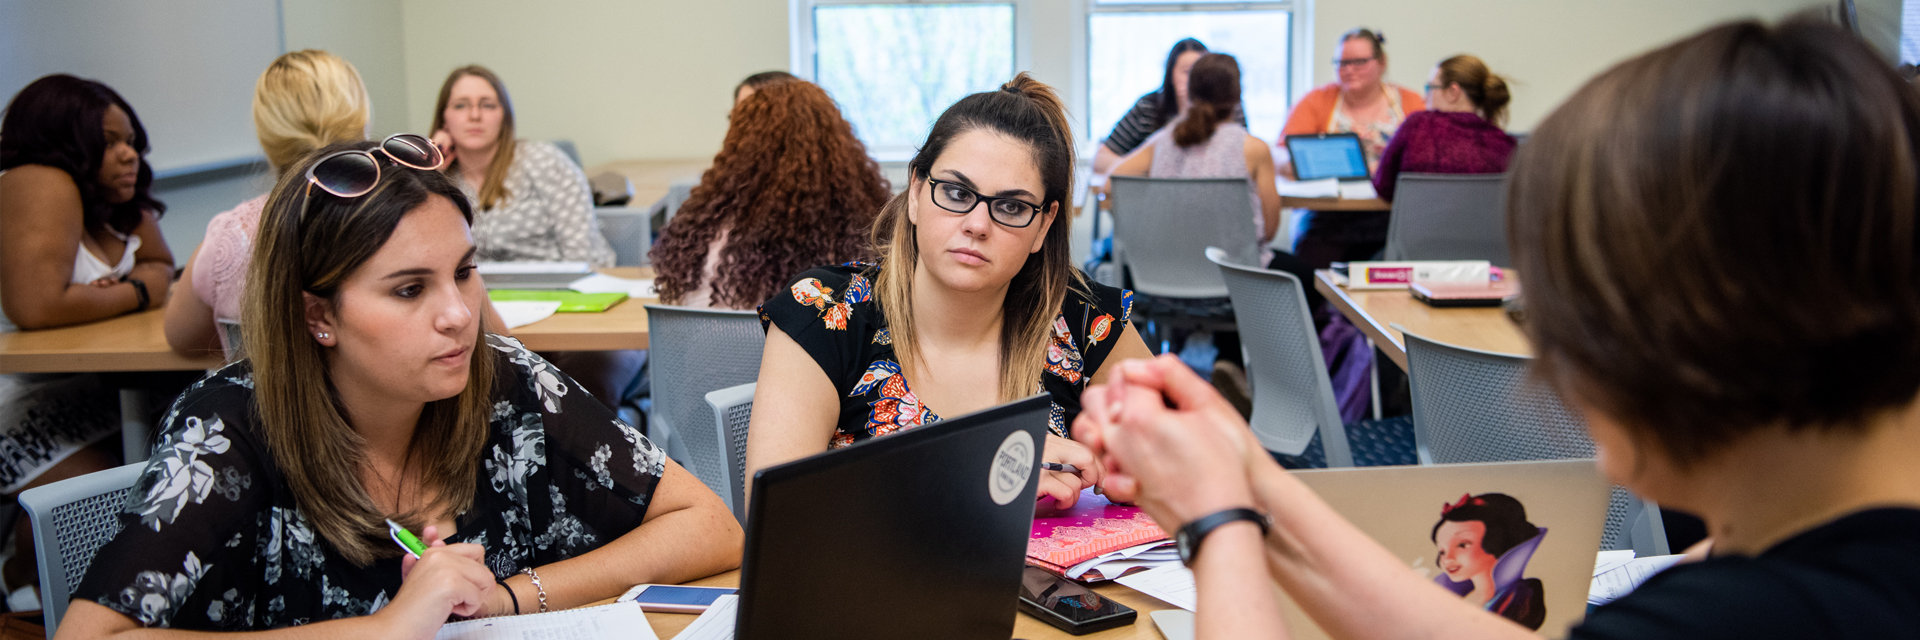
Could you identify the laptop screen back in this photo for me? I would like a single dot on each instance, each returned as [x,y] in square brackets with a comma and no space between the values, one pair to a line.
[919,534]
[1329,156]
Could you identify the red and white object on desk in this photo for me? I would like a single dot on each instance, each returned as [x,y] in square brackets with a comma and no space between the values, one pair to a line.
[1397,275]
[1094,527]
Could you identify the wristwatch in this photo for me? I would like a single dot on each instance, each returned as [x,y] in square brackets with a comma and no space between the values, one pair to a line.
[1187,540]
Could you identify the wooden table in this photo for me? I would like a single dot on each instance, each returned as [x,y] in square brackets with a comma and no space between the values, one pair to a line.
[1374,312]
[1335,204]
[667,625]
[138,342]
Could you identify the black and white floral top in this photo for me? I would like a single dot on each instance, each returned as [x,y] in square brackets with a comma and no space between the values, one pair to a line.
[214,541]
[832,314]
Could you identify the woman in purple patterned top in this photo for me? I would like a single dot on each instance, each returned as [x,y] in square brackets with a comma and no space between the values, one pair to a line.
[1458,133]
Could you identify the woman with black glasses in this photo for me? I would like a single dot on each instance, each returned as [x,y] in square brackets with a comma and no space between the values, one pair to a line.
[973,304]
[373,395]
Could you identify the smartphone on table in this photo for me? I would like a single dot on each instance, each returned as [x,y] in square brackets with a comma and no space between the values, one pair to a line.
[1069,605]
[668,598]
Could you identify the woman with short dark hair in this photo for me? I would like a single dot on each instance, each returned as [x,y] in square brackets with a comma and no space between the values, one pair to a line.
[1721,242]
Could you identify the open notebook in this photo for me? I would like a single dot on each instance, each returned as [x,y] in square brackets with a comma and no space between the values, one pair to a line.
[620,620]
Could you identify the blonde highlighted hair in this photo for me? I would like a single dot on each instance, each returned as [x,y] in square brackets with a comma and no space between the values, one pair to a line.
[305,100]
[494,188]
[1029,111]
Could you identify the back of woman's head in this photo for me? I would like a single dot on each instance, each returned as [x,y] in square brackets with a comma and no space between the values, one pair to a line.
[306,100]
[308,244]
[1167,102]
[792,188]
[1720,237]
[763,80]
[1027,111]
[1487,91]
[58,121]
[1214,88]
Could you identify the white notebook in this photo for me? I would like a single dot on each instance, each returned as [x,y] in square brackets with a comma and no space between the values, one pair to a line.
[620,620]
[716,623]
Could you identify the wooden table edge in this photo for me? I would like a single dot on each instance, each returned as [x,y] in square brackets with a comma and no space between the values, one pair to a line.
[1335,204]
[1388,340]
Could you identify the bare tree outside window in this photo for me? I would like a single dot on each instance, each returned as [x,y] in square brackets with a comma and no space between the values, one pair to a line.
[894,68]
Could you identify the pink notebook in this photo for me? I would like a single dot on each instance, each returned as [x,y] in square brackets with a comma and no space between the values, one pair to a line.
[1093,526]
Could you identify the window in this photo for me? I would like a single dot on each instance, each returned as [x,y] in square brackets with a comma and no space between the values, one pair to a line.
[1128,41]
[893,68]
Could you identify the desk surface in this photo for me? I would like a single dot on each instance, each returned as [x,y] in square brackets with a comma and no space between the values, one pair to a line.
[1335,204]
[667,625]
[138,342]
[1374,312]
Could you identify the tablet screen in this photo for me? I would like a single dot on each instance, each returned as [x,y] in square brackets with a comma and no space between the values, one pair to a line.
[1329,157]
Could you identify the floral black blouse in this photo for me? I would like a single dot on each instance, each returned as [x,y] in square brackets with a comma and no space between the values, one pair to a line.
[214,541]
[831,313]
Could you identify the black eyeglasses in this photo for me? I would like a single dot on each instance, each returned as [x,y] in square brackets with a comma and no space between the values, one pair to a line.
[353,173]
[1350,62]
[955,197]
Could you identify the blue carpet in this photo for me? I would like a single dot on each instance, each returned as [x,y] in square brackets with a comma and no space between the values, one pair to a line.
[1375,443]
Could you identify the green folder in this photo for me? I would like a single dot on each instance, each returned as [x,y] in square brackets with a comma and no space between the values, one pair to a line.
[570,301]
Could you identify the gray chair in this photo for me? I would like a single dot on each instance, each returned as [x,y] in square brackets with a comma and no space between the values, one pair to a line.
[1479,406]
[627,229]
[71,520]
[1292,396]
[732,410]
[693,352]
[1442,216]
[1162,228]
[662,211]
[230,339]
[566,147]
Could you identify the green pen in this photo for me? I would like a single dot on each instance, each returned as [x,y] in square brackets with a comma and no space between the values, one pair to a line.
[404,538]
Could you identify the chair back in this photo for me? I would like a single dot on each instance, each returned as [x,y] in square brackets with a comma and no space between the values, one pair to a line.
[1163,226]
[1479,406]
[1446,216]
[573,153]
[71,520]
[732,409]
[1292,396]
[230,339]
[694,352]
[627,229]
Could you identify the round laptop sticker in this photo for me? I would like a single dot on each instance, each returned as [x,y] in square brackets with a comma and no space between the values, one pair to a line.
[1011,467]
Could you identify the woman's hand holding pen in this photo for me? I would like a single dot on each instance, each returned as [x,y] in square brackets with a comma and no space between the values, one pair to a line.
[444,579]
[1063,486]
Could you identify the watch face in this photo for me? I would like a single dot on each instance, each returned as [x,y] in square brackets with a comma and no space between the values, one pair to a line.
[1184,544]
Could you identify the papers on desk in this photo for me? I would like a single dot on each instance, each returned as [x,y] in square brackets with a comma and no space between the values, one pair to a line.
[521,313]
[1174,624]
[1118,563]
[620,620]
[1327,188]
[716,623]
[603,283]
[1172,584]
[1615,577]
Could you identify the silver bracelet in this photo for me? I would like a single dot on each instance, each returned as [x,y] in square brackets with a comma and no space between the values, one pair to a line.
[537,588]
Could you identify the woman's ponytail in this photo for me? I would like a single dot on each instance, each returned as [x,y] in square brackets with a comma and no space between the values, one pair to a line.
[1214,89]
[1487,92]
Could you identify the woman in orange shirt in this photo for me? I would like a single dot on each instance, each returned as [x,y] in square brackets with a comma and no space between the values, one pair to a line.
[1362,103]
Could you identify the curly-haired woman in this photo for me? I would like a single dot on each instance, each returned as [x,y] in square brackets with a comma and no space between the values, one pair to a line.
[791,189]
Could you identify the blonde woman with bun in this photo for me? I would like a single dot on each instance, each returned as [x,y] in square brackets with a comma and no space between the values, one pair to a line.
[1460,130]
[305,100]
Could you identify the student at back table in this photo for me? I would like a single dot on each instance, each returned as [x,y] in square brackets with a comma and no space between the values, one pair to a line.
[1458,133]
[1723,276]
[1153,111]
[973,303]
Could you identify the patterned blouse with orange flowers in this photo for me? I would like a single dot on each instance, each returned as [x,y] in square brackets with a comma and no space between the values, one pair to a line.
[831,312]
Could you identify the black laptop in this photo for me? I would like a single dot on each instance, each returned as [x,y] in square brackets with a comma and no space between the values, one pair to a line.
[920,534]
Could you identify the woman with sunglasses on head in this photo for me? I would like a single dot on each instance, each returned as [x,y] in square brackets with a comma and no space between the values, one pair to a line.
[531,204]
[1723,277]
[1458,133]
[973,285]
[373,393]
[1154,110]
[79,241]
[1360,101]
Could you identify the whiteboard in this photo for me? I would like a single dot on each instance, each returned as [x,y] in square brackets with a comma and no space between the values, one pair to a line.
[187,66]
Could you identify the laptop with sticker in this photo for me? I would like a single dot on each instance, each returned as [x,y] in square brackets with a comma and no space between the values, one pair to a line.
[919,534]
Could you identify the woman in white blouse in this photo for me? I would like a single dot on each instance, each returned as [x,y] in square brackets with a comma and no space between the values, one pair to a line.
[532,202]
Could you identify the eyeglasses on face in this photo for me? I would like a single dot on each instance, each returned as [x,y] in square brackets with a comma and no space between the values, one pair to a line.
[1342,63]
[957,198]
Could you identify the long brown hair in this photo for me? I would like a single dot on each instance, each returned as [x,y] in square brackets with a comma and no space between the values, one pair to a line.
[1027,110]
[310,244]
[1722,237]
[1213,88]
[792,188]
[494,188]
[1487,92]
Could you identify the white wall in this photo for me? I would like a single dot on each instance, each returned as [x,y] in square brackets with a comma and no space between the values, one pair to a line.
[367,33]
[1548,48]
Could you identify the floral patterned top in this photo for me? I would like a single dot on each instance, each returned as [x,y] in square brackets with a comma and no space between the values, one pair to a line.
[213,539]
[831,313]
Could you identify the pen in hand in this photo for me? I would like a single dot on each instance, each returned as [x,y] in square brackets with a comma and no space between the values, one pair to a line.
[1065,468]
[401,536]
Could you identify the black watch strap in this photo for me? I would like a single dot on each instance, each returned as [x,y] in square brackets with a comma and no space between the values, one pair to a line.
[1187,541]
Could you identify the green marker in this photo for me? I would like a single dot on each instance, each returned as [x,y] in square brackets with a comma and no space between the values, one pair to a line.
[404,538]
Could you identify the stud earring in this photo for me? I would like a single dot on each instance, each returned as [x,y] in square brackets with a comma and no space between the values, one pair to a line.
[322,335]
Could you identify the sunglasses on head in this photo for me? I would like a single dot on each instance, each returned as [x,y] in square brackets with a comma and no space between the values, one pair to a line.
[353,173]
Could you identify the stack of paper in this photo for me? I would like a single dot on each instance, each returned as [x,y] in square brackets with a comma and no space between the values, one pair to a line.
[1095,527]
[603,283]
[1616,576]
[1322,188]
[716,623]
[1119,563]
